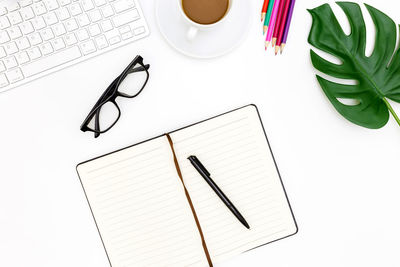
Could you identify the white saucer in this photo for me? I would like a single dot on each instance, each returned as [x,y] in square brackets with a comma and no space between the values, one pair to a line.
[207,44]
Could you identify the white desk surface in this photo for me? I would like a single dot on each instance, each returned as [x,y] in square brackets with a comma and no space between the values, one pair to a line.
[343,181]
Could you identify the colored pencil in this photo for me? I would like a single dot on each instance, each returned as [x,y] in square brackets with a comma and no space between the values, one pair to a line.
[264,10]
[287,26]
[282,25]
[272,23]
[278,22]
[268,15]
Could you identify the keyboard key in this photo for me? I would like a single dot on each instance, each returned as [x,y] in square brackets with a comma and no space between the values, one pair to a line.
[107,11]
[3,10]
[83,20]
[23,43]
[75,9]
[11,48]
[126,17]
[15,75]
[51,4]
[63,13]
[95,16]
[127,35]
[94,30]
[82,35]
[101,42]
[27,13]
[13,6]
[59,29]
[15,18]
[114,40]
[70,39]
[50,18]
[35,38]
[39,8]
[71,25]
[87,5]
[4,22]
[3,80]
[10,62]
[38,23]
[26,27]
[46,48]
[25,3]
[139,30]
[106,25]
[34,53]
[2,52]
[122,5]
[22,57]
[47,34]
[88,47]
[4,37]
[14,32]
[125,29]
[58,44]
[51,61]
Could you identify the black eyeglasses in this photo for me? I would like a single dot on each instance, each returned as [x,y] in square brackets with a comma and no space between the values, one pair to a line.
[105,113]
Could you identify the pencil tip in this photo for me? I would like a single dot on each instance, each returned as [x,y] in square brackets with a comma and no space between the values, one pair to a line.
[282,47]
[276,50]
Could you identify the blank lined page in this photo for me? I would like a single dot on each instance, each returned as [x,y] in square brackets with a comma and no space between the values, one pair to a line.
[234,149]
[140,207]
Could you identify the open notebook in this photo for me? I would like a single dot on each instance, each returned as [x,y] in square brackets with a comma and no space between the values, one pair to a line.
[144,217]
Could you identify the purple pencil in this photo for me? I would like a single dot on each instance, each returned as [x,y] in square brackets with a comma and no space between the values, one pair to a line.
[287,25]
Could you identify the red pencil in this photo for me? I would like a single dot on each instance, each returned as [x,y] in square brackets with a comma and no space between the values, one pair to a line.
[282,26]
[264,9]
[278,21]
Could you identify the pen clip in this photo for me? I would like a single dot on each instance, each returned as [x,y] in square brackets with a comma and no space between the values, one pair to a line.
[196,161]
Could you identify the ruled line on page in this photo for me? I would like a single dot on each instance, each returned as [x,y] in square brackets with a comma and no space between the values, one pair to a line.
[123,160]
[235,135]
[209,130]
[232,137]
[102,177]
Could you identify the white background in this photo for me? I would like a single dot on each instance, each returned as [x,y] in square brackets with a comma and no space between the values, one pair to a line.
[343,181]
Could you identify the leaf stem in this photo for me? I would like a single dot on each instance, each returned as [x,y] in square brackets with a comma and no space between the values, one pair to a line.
[392,111]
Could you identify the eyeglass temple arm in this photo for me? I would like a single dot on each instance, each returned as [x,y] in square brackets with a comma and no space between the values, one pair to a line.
[97,123]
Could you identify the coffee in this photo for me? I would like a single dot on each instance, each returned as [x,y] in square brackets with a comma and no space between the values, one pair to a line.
[205,11]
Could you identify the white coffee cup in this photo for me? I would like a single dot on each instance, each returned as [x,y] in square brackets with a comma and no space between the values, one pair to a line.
[195,27]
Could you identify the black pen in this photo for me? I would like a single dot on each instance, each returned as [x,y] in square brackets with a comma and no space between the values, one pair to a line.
[206,175]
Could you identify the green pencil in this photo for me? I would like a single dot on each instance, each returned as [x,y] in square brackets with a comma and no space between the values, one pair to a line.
[268,15]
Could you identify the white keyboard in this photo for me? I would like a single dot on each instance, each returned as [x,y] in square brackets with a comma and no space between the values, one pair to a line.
[38,37]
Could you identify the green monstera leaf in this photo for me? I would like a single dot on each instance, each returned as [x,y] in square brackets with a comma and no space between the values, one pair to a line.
[377,75]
